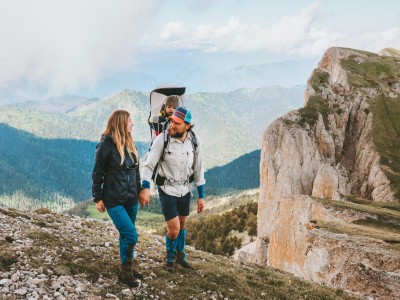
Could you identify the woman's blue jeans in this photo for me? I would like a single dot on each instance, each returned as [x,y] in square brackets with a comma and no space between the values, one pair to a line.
[124,218]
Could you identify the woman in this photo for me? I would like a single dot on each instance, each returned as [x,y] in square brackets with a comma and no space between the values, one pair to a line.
[116,186]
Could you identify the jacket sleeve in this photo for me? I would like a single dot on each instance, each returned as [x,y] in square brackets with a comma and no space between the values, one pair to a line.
[99,172]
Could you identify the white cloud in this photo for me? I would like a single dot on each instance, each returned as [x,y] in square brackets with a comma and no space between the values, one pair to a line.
[173,30]
[61,45]
[301,34]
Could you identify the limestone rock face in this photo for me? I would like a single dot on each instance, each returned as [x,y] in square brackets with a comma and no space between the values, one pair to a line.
[326,151]
[358,264]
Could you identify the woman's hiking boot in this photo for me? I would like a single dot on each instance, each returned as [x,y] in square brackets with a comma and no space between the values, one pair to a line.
[181,259]
[169,266]
[136,274]
[126,276]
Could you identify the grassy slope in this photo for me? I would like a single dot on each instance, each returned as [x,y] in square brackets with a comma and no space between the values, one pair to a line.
[375,72]
[382,220]
[211,276]
[145,220]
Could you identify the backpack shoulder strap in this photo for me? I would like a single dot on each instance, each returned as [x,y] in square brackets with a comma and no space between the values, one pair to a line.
[194,140]
[157,167]
[166,143]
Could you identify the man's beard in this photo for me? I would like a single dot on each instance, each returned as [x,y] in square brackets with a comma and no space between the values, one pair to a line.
[178,135]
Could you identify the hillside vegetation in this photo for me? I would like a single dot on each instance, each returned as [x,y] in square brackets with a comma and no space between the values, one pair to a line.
[385,108]
[228,222]
[36,172]
[37,255]
[233,127]
[56,173]
[240,174]
[219,234]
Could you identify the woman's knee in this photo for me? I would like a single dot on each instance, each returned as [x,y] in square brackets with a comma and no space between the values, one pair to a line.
[129,234]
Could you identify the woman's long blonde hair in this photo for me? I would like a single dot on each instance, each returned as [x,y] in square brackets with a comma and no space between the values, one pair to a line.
[117,128]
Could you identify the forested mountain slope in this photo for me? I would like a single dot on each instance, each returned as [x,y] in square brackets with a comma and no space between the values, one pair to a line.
[37,171]
[229,124]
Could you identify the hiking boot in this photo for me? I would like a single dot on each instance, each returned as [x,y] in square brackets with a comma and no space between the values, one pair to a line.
[181,259]
[125,275]
[169,266]
[136,274]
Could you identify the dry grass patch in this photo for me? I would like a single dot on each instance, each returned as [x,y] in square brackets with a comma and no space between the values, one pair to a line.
[378,209]
[382,220]
[7,257]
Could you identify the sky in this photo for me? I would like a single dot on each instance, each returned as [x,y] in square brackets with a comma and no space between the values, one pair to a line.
[56,47]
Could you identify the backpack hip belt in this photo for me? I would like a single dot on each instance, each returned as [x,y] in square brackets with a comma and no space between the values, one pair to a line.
[162,181]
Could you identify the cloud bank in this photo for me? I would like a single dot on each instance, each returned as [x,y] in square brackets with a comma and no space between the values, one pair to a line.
[60,45]
[301,34]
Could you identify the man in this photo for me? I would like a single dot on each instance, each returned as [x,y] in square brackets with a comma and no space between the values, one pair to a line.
[176,164]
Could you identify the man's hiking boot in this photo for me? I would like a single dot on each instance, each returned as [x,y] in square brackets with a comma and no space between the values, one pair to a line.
[169,266]
[181,259]
[125,275]
[137,275]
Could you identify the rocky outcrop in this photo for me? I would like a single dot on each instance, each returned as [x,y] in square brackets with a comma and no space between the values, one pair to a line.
[329,150]
[353,262]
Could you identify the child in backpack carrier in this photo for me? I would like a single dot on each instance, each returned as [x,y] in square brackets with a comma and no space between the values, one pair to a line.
[161,124]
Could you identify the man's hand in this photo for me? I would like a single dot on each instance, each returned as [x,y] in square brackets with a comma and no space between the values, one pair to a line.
[100,206]
[144,197]
[200,205]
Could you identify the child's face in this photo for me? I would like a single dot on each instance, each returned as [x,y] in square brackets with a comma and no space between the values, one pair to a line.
[169,109]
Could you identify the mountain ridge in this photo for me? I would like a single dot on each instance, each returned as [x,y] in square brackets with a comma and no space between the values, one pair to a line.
[223,121]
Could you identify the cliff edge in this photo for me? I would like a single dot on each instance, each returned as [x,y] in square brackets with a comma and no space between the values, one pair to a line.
[330,178]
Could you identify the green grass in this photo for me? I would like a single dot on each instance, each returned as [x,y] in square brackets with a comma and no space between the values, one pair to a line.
[386,136]
[149,221]
[381,71]
[309,114]
[372,208]
[145,220]
[316,104]
[320,78]
[95,214]
[382,220]
[389,205]
[374,69]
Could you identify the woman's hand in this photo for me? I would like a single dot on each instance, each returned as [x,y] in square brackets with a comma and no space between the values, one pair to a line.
[100,206]
[144,197]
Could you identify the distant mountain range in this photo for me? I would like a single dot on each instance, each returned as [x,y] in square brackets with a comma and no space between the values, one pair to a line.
[228,124]
[199,72]
[37,172]
[286,74]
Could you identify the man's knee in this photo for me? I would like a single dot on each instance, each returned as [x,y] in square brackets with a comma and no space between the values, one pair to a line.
[173,234]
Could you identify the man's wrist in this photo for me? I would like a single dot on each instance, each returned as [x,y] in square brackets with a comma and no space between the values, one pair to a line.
[200,190]
[145,184]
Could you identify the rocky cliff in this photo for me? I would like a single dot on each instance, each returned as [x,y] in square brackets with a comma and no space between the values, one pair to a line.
[341,150]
